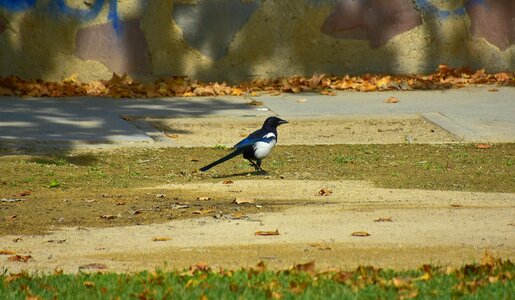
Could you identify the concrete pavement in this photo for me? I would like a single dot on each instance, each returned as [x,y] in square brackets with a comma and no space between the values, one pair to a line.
[471,114]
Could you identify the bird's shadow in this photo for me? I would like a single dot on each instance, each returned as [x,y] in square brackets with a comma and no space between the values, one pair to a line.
[253,173]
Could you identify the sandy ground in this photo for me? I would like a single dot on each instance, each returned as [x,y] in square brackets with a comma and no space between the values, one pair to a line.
[445,228]
[194,132]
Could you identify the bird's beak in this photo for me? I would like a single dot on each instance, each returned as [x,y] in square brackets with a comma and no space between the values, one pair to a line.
[281,121]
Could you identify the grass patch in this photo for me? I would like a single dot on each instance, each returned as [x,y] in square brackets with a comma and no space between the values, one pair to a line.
[346,159]
[85,186]
[491,279]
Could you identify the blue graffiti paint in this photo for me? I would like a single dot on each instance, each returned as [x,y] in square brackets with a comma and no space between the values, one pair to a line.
[17,5]
[113,16]
[427,7]
[60,7]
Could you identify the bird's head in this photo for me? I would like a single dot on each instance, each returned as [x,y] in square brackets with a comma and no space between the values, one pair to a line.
[273,122]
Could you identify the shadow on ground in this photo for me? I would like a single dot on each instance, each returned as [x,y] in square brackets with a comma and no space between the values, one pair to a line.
[31,125]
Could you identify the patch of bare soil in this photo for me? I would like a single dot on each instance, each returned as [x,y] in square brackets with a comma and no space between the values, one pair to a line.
[351,223]
[191,132]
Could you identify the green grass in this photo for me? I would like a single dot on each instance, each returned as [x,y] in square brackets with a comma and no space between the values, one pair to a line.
[492,279]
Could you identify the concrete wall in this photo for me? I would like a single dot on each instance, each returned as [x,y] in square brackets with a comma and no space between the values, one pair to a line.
[246,39]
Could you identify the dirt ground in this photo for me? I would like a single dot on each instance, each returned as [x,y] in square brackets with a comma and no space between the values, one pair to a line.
[154,219]
[442,227]
[194,132]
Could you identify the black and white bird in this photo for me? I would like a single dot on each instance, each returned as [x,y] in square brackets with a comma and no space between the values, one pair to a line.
[256,146]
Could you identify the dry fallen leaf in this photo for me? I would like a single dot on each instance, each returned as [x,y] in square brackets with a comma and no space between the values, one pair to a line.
[328,92]
[260,267]
[11,218]
[360,233]
[308,267]
[243,200]
[483,146]
[202,211]
[18,239]
[121,203]
[324,192]
[227,182]
[57,241]
[19,258]
[320,246]
[255,102]
[237,92]
[88,284]
[488,259]
[425,277]
[161,239]
[171,135]
[108,217]
[22,194]
[238,215]
[267,233]
[391,100]
[383,82]
[123,86]
[93,266]
[368,87]
[7,252]
[389,219]
[343,277]
[200,266]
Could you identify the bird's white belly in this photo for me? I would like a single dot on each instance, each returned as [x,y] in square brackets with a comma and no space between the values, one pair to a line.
[262,149]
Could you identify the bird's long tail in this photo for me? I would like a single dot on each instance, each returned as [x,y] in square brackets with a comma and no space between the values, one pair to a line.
[221,160]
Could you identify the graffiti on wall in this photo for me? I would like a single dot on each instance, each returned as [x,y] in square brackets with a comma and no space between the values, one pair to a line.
[125,52]
[493,20]
[372,20]
[426,7]
[118,44]
[17,5]
[210,25]
[60,7]
[378,21]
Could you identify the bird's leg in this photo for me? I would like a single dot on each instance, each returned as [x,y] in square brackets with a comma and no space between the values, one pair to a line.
[257,167]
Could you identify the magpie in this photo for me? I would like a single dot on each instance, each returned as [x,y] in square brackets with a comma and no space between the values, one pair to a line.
[256,146]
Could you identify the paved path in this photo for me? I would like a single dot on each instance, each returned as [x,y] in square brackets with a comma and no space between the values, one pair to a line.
[472,114]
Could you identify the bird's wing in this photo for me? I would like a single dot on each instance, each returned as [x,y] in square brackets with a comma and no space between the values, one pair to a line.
[250,140]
